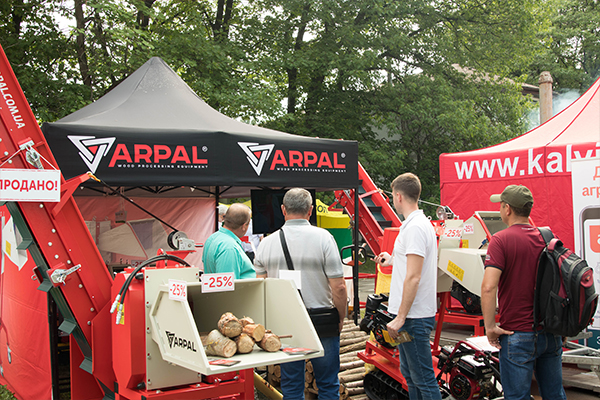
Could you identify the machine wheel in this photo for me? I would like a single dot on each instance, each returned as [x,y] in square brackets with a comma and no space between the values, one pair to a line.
[379,386]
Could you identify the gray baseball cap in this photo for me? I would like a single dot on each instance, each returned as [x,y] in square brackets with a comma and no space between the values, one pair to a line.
[515,195]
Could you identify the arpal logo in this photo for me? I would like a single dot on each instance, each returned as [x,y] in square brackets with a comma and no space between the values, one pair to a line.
[91,150]
[257,154]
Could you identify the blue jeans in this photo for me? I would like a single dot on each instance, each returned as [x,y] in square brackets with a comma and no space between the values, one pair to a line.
[521,354]
[416,363]
[325,368]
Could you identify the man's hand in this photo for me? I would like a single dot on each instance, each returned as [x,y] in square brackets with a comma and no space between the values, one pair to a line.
[494,333]
[384,259]
[394,327]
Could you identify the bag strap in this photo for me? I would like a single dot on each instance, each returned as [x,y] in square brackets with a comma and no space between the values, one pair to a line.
[547,235]
[286,252]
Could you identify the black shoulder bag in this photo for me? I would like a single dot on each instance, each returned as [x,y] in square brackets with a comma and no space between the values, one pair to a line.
[326,320]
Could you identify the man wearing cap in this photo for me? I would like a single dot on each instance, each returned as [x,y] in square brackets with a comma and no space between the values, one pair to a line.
[510,271]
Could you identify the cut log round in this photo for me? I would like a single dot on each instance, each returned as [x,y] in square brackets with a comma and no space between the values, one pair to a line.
[255,331]
[246,321]
[270,342]
[244,343]
[220,345]
[229,325]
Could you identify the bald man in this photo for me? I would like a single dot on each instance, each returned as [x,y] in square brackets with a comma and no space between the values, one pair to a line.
[223,251]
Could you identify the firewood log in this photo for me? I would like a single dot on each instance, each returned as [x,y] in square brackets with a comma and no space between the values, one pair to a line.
[346,342]
[353,371]
[351,378]
[244,343]
[351,364]
[220,345]
[255,331]
[229,325]
[309,366]
[356,390]
[351,355]
[270,342]
[308,376]
[246,321]
[352,347]
[348,335]
[354,384]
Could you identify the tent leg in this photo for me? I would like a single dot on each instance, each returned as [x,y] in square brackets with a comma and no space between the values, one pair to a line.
[356,301]
[217,200]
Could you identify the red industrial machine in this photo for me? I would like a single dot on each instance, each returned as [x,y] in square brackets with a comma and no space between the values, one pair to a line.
[142,345]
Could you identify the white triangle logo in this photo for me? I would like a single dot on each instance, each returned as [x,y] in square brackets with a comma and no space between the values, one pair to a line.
[257,154]
[91,150]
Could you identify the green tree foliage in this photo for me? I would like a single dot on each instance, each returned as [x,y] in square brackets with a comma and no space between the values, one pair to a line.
[407,79]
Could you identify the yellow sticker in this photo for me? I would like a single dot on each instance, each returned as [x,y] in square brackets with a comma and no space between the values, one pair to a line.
[7,248]
[456,270]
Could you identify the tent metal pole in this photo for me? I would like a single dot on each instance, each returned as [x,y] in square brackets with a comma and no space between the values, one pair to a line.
[217,200]
[356,301]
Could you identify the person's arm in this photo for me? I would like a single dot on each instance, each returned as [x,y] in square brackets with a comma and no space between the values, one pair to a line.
[340,297]
[489,288]
[414,266]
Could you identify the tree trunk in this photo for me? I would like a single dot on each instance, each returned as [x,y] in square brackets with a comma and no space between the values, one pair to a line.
[84,68]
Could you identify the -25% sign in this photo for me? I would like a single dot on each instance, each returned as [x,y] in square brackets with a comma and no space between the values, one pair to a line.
[177,290]
[218,282]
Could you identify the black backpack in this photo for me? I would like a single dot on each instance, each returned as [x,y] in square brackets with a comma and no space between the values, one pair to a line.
[565,299]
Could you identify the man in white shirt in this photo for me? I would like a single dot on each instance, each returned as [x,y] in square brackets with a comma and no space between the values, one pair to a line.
[413,288]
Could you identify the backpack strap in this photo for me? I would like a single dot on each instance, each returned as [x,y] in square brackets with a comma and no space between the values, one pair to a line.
[547,235]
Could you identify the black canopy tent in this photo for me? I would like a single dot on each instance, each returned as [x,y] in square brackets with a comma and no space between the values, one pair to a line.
[153,133]
[153,130]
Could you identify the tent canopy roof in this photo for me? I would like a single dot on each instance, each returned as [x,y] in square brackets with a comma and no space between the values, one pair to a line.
[152,129]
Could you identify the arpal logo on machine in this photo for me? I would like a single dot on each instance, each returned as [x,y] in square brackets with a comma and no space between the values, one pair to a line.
[91,150]
[257,154]
[175,341]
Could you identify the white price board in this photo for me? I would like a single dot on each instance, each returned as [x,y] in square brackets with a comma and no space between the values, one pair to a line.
[29,185]
[177,290]
[218,282]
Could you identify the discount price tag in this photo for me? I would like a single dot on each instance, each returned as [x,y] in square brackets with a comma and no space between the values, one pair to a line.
[217,282]
[469,229]
[453,233]
[177,290]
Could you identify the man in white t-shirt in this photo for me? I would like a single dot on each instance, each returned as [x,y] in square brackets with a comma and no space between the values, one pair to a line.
[413,288]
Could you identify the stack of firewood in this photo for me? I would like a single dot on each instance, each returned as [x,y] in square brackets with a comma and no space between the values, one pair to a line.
[235,335]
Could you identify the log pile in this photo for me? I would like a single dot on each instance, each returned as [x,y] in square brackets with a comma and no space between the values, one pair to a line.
[235,335]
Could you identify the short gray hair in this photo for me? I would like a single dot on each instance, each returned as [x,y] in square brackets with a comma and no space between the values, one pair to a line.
[297,201]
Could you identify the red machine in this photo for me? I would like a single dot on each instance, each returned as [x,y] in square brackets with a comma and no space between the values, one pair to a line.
[122,350]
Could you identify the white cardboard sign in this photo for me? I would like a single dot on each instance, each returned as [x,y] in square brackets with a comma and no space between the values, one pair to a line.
[30,185]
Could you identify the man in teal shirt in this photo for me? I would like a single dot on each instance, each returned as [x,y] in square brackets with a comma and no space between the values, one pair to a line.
[223,251]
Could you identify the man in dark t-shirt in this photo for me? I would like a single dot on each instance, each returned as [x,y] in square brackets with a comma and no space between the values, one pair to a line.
[510,271]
